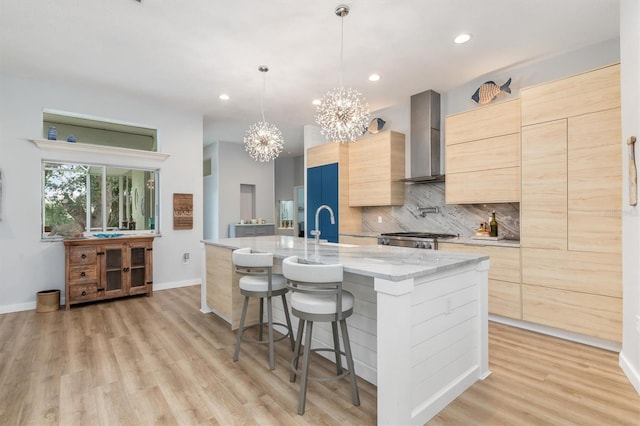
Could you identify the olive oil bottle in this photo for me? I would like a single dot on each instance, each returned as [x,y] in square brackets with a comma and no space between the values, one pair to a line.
[493,225]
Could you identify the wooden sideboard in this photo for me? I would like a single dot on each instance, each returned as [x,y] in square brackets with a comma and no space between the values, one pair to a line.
[105,268]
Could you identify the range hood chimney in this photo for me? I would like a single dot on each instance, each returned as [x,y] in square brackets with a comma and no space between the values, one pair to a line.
[425,138]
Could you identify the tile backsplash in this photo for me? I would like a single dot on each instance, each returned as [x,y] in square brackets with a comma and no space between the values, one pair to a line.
[462,219]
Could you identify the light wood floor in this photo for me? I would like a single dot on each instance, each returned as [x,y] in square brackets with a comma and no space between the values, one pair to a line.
[144,361]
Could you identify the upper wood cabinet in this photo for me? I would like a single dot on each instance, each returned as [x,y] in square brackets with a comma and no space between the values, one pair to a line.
[376,166]
[484,122]
[591,91]
[482,155]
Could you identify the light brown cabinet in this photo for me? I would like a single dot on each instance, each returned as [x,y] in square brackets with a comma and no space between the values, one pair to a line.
[543,208]
[359,240]
[223,288]
[482,155]
[376,167]
[504,276]
[98,269]
[571,200]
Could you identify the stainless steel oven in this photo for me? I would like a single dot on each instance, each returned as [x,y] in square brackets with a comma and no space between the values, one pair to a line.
[422,240]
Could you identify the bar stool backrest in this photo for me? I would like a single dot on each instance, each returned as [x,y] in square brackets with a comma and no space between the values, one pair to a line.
[248,262]
[314,279]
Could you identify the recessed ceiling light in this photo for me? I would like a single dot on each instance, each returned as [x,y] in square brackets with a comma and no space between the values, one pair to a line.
[374,77]
[224,97]
[462,38]
[316,102]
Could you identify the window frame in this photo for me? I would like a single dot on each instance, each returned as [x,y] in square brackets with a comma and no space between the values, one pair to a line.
[103,176]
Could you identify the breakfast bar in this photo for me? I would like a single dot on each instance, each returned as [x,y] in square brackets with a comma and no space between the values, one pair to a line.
[419,328]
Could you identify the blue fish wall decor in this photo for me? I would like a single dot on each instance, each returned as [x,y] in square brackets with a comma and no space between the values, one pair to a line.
[489,90]
[376,125]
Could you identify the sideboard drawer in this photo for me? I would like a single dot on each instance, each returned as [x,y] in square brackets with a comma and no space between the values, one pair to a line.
[82,274]
[82,256]
[83,291]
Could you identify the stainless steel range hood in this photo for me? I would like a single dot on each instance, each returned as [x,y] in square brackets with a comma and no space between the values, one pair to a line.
[425,138]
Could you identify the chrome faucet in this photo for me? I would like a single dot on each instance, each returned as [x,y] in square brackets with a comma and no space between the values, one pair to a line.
[316,232]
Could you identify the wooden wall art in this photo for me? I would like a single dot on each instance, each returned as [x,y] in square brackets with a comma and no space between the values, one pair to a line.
[182,211]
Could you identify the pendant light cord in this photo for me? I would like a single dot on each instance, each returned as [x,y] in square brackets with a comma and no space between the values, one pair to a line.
[341,47]
[264,79]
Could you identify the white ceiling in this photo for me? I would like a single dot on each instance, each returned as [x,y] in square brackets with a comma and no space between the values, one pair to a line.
[189,52]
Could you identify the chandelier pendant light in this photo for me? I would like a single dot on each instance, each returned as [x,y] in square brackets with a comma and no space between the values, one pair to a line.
[263,141]
[343,114]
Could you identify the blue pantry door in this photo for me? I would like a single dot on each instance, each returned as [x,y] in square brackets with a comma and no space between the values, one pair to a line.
[322,188]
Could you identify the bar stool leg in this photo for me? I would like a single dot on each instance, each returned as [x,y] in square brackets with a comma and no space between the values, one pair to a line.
[336,347]
[261,319]
[286,314]
[236,353]
[296,350]
[352,371]
[305,368]
[272,364]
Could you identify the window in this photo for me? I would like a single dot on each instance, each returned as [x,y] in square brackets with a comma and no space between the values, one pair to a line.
[95,131]
[79,198]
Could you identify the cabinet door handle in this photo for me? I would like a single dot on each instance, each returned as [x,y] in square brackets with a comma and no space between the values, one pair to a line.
[84,256]
[83,274]
[84,293]
[125,269]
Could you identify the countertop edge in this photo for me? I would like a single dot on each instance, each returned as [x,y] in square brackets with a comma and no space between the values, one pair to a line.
[462,260]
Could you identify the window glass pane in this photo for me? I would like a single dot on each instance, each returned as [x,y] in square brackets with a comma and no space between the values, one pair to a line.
[99,132]
[129,202]
[95,192]
[65,198]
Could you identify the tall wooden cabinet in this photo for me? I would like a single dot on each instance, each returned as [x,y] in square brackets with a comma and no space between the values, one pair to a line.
[99,269]
[483,154]
[376,169]
[349,219]
[571,204]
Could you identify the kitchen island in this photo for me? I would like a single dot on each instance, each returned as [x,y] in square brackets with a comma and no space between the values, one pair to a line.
[419,328]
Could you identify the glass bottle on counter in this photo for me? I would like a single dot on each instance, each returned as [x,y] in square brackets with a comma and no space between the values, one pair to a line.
[493,225]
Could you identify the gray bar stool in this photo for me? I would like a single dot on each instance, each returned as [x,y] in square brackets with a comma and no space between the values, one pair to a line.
[317,295]
[258,280]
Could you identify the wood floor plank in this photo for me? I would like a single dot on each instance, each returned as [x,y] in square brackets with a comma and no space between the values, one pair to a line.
[159,360]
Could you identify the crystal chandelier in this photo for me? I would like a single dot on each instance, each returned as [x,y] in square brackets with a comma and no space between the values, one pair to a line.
[343,114]
[263,141]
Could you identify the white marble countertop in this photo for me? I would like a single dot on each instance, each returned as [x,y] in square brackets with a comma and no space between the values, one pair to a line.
[480,242]
[458,240]
[390,263]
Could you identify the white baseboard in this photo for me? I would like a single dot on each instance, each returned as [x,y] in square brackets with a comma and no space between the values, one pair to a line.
[28,306]
[629,370]
[176,284]
[31,305]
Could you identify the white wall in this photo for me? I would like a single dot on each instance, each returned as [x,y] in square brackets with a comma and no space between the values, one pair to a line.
[210,193]
[284,178]
[630,89]
[532,72]
[28,265]
[235,167]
